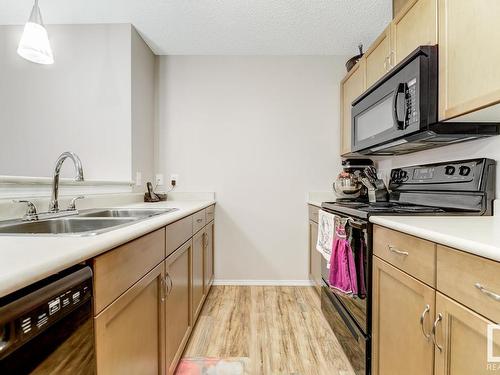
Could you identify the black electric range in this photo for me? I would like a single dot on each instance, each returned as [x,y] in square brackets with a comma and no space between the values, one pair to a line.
[465,187]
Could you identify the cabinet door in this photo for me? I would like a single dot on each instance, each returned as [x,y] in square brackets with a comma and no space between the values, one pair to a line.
[208,257]
[401,338]
[377,57]
[197,274]
[414,26]
[128,332]
[462,335]
[351,87]
[177,304]
[468,45]
[314,256]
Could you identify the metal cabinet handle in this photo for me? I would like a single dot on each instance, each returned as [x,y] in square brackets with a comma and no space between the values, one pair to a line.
[395,250]
[199,220]
[489,293]
[422,320]
[169,284]
[385,63]
[434,327]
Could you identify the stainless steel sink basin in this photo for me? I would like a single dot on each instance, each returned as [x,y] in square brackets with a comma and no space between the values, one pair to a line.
[65,225]
[126,212]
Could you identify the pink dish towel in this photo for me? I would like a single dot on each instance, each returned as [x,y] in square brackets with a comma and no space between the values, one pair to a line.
[342,268]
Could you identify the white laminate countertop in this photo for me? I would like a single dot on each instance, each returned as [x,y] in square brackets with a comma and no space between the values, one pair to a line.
[479,235]
[27,259]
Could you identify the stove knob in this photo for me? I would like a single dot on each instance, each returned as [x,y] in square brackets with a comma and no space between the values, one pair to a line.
[464,170]
[404,176]
[449,170]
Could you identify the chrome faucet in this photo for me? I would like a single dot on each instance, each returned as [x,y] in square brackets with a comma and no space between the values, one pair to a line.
[54,204]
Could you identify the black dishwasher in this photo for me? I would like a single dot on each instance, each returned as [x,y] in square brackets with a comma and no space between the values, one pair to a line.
[46,328]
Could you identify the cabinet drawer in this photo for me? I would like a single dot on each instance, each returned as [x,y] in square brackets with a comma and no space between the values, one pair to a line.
[209,213]
[413,255]
[118,269]
[199,221]
[178,233]
[313,213]
[460,276]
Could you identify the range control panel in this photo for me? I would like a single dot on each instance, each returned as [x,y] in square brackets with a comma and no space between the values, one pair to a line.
[463,175]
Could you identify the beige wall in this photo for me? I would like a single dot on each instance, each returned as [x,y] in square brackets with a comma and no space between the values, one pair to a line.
[261,132]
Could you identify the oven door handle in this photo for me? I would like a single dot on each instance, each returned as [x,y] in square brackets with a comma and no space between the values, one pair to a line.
[401,89]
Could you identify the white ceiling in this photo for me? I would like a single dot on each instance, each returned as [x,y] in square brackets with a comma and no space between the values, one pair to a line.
[226,27]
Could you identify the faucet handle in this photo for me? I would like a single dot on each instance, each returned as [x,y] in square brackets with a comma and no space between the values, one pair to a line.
[31,213]
[72,203]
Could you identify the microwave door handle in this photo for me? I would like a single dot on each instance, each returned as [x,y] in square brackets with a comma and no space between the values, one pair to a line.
[395,101]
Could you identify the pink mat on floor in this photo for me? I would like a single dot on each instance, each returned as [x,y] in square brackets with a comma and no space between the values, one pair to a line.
[211,366]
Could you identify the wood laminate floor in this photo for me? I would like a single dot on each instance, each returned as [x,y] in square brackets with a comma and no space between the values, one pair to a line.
[270,330]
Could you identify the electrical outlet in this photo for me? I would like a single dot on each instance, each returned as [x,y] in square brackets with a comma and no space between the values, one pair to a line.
[138,178]
[174,179]
[159,179]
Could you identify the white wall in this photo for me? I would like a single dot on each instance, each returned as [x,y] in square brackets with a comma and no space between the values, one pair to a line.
[261,132]
[81,103]
[485,148]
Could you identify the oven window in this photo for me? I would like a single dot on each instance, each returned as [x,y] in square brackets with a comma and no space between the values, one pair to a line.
[375,120]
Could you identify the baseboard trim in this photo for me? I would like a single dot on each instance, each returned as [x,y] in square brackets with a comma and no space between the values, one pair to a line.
[264,282]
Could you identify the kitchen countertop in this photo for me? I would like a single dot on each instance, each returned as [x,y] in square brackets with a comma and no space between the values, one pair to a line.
[479,235]
[27,259]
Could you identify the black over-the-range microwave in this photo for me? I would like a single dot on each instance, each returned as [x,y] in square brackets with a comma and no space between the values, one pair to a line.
[399,113]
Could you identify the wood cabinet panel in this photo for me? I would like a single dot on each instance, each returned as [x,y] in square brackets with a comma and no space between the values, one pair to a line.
[210,213]
[458,274]
[313,213]
[177,304]
[314,256]
[199,220]
[410,254]
[208,258]
[399,345]
[467,81]
[178,233]
[377,57]
[463,337]
[128,332]
[118,269]
[197,293]
[415,25]
[351,87]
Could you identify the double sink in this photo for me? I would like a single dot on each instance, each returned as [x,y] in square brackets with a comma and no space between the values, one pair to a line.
[84,223]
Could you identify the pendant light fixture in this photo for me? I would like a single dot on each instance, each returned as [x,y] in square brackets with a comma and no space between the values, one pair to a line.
[34,45]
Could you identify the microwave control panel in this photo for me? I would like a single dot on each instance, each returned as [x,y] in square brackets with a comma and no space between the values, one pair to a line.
[411,104]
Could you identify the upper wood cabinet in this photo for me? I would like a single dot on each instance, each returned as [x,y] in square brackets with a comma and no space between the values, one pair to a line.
[351,87]
[403,311]
[378,57]
[415,25]
[462,338]
[128,332]
[468,50]
[177,304]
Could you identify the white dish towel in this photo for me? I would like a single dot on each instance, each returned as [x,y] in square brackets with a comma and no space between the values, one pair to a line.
[326,234]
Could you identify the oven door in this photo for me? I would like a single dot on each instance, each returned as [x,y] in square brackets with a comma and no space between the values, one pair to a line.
[355,344]
[357,306]
[403,103]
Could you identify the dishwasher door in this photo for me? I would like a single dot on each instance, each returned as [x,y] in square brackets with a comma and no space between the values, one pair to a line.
[47,328]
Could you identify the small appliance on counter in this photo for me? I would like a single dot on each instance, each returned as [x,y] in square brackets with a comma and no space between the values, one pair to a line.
[358,182]
[464,187]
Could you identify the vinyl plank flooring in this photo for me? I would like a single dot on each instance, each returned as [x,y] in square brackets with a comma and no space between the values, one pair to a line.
[273,330]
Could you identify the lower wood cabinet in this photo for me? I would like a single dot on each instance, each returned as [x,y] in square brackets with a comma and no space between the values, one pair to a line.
[314,256]
[197,274]
[403,310]
[128,331]
[177,304]
[461,340]
[208,258]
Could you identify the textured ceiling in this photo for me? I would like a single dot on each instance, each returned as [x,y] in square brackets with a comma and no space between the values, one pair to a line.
[226,27]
